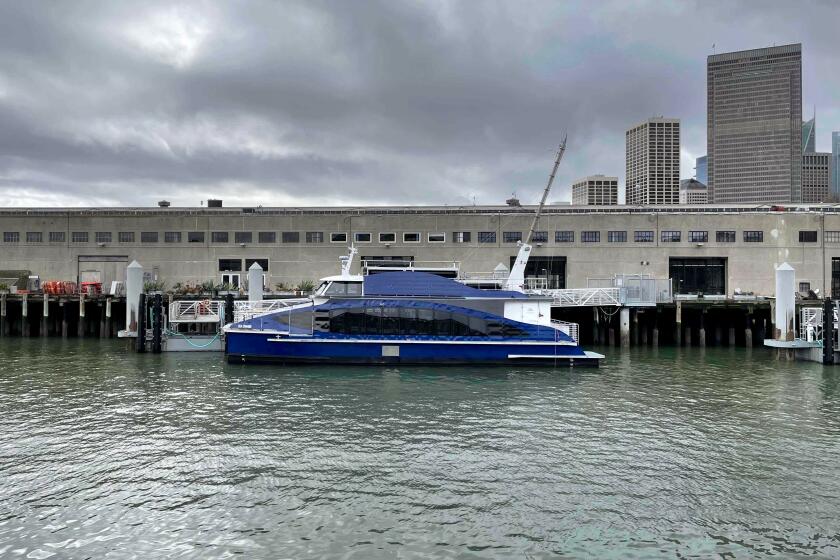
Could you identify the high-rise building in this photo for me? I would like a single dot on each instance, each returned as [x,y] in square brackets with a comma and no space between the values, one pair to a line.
[816,181]
[693,191]
[653,162]
[755,125]
[809,136]
[701,170]
[835,165]
[595,190]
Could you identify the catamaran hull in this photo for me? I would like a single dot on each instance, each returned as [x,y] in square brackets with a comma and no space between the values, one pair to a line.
[263,348]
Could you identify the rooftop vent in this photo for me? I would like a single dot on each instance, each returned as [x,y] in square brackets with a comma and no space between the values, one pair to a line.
[163,204]
[214,203]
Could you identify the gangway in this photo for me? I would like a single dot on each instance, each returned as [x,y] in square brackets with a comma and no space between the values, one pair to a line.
[583,297]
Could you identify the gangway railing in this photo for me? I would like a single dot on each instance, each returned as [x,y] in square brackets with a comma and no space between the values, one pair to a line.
[571,329]
[811,325]
[191,311]
[583,297]
[244,310]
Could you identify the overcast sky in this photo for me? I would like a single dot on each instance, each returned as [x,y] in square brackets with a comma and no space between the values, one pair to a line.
[356,102]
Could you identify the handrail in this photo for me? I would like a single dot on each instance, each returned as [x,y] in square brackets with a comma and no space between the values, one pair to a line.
[192,311]
[571,329]
[244,310]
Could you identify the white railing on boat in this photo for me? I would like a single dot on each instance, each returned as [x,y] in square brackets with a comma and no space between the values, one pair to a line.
[571,329]
[201,311]
[244,310]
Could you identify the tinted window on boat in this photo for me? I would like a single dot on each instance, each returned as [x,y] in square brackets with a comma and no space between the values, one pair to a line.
[414,321]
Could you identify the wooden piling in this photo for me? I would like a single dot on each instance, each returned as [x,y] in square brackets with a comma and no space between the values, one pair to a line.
[63,306]
[24,316]
[82,322]
[4,323]
[678,328]
[731,336]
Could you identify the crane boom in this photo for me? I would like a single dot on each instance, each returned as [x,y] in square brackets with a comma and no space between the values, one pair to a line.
[560,151]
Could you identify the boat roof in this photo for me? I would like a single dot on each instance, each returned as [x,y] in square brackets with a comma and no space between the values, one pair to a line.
[423,284]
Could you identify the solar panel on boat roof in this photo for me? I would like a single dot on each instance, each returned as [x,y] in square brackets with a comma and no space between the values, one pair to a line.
[426,285]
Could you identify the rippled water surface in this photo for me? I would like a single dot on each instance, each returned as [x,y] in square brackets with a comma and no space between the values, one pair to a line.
[686,453]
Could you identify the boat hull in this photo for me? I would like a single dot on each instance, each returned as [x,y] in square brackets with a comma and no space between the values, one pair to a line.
[265,348]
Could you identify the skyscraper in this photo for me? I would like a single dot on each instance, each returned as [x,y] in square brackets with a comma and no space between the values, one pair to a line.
[701,170]
[809,136]
[816,180]
[755,125]
[835,165]
[595,190]
[653,162]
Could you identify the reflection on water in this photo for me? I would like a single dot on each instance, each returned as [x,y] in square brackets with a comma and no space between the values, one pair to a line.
[667,452]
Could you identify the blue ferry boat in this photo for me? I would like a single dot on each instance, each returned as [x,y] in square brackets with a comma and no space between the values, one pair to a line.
[404,317]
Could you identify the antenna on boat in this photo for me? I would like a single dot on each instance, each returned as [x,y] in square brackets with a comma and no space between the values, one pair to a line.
[347,260]
[516,279]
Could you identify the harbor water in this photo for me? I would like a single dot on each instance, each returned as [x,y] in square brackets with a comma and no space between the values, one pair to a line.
[673,452]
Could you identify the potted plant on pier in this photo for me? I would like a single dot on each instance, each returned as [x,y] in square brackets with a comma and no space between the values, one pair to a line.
[4,288]
[304,287]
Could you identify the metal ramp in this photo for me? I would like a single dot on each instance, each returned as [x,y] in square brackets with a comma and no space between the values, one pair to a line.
[583,297]
[203,311]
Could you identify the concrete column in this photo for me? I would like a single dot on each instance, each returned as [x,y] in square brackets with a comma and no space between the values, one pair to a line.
[655,334]
[45,316]
[731,336]
[595,325]
[634,314]
[101,320]
[678,327]
[644,333]
[748,341]
[63,319]
[108,318]
[24,316]
[785,302]
[612,336]
[718,335]
[82,323]
[688,336]
[701,334]
[624,326]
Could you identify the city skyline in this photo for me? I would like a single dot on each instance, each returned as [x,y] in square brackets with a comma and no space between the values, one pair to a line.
[385,103]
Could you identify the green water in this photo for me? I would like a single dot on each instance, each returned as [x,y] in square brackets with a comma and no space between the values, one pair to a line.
[675,453]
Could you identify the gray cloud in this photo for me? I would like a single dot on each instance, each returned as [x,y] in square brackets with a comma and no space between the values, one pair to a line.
[297,103]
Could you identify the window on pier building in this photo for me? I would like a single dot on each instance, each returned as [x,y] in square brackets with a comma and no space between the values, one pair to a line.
[314,236]
[461,236]
[486,236]
[57,237]
[172,237]
[11,236]
[290,237]
[243,236]
[411,237]
[195,236]
[103,236]
[338,237]
[270,237]
[643,237]
[79,237]
[590,236]
[437,237]
[751,236]
[126,237]
[808,236]
[230,265]
[539,237]
[617,236]
[388,237]
[698,236]
[670,236]
[831,236]
[148,237]
[564,237]
[219,236]
[511,236]
[34,237]
[725,236]
[262,262]
[362,237]
[804,288]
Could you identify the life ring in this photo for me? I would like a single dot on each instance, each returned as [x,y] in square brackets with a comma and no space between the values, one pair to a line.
[204,307]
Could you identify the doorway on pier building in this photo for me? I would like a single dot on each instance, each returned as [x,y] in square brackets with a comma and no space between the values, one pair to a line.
[698,275]
[835,277]
[544,272]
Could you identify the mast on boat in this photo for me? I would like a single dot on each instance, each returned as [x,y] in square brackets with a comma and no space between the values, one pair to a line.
[516,279]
